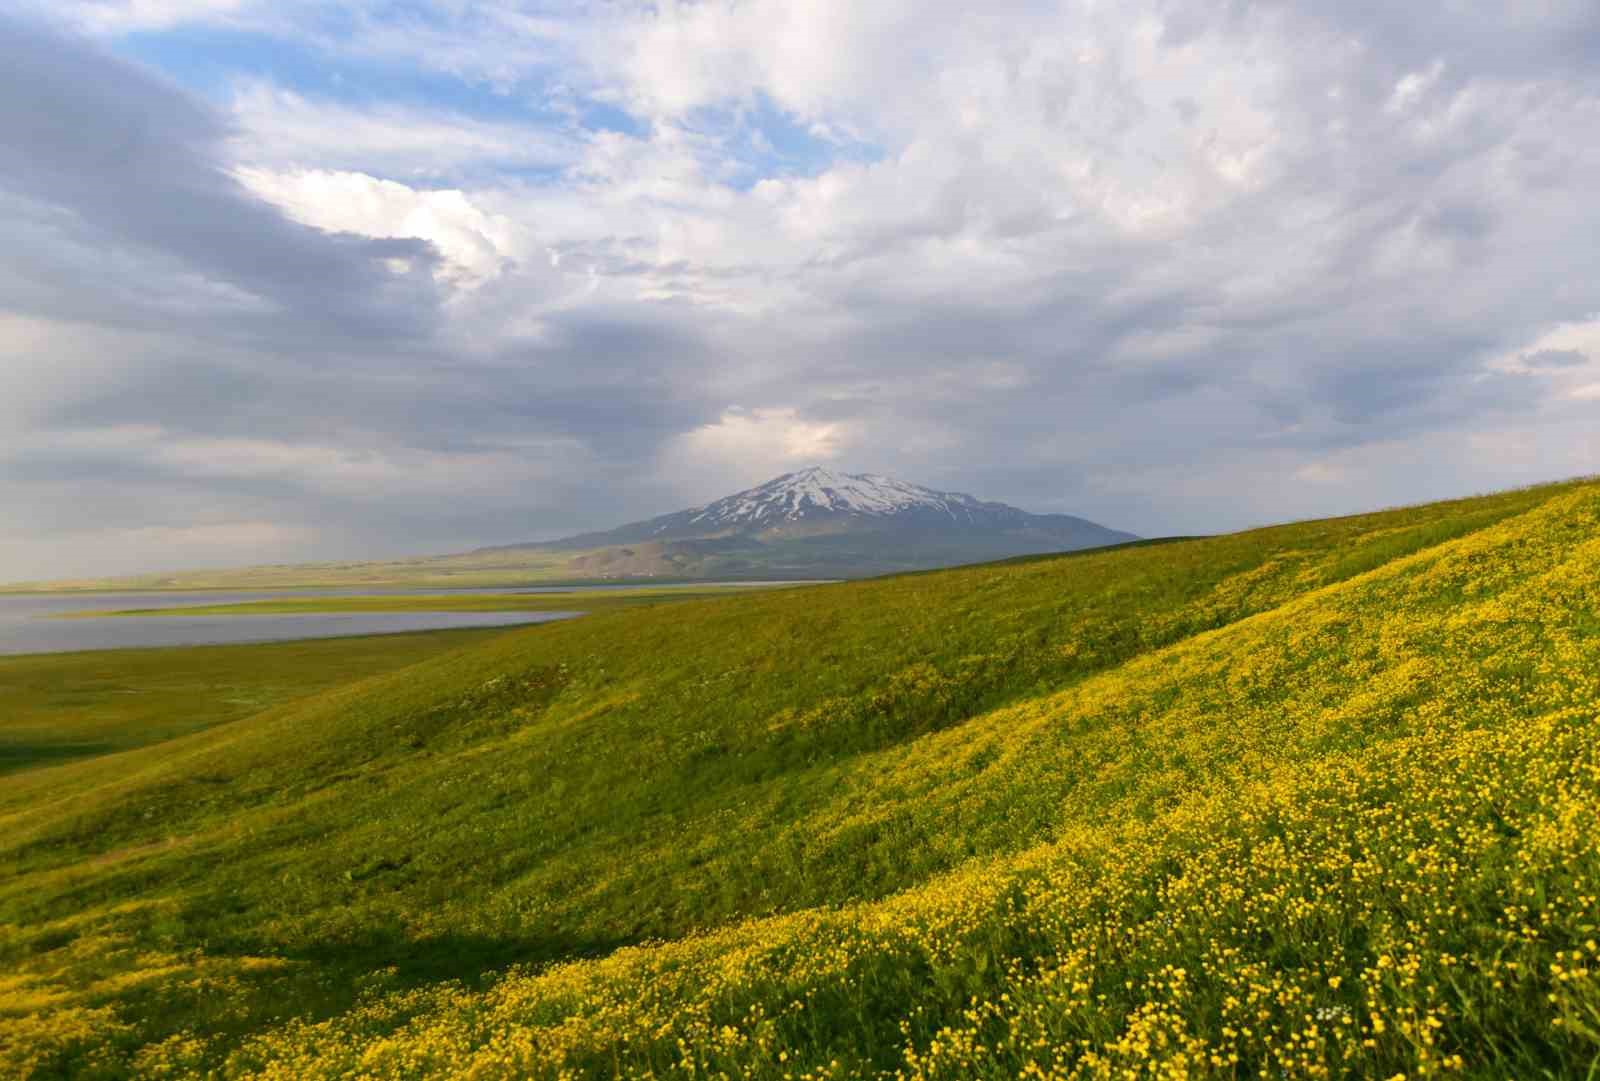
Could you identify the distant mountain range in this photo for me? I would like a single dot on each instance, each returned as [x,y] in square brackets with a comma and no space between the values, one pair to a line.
[819,523]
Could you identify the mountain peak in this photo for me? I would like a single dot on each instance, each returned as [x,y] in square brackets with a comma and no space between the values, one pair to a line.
[821,521]
[817,492]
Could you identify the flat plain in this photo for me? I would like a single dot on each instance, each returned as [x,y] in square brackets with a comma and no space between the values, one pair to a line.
[1319,800]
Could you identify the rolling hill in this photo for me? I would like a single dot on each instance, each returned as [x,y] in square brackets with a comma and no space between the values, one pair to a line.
[1318,800]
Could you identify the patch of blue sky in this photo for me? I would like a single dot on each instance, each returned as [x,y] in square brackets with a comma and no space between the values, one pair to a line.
[600,116]
[755,138]
[212,61]
[762,141]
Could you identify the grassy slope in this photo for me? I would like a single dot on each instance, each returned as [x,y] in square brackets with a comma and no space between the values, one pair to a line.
[1249,797]
[62,706]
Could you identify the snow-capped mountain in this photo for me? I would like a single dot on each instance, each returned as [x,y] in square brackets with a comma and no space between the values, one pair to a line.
[820,523]
[821,493]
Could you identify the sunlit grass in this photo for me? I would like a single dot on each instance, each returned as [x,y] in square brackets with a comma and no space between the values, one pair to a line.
[62,706]
[1314,801]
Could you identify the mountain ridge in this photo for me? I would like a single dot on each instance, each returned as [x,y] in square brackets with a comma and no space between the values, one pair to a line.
[841,522]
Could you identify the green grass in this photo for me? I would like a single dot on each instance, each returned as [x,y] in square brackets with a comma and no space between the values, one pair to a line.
[63,706]
[1237,805]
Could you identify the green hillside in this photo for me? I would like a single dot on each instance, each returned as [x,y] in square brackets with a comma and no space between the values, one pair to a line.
[1319,800]
[60,706]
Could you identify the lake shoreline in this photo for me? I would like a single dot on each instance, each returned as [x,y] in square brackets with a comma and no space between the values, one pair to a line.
[79,622]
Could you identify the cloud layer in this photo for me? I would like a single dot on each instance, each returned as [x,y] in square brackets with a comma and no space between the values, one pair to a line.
[286,281]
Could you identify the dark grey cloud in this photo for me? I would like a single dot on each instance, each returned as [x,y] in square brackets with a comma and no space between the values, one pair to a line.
[118,212]
[1555,358]
[134,162]
[1560,38]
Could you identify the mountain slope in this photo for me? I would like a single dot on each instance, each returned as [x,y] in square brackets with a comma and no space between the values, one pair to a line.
[816,523]
[1315,800]
[800,502]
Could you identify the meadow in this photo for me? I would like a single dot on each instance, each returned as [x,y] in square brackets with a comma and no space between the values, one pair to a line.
[62,706]
[1319,800]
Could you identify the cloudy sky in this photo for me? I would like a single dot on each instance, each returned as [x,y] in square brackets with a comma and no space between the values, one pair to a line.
[290,280]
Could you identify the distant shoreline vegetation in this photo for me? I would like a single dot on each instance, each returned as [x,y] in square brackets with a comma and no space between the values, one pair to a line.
[593,600]
[137,584]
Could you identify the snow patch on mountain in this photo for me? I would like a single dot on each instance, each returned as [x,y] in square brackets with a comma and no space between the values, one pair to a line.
[817,491]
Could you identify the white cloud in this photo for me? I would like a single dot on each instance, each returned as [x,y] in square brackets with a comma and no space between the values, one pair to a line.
[1562,361]
[120,16]
[679,56]
[1580,337]
[746,446]
[776,435]
[1322,473]
[279,128]
[1412,86]
[475,245]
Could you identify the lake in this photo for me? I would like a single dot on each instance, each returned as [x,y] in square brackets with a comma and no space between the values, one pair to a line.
[28,623]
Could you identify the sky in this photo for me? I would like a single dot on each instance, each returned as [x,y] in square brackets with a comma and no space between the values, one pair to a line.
[290,281]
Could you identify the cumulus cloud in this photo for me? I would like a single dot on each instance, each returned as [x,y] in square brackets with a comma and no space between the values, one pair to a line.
[744,447]
[474,245]
[500,271]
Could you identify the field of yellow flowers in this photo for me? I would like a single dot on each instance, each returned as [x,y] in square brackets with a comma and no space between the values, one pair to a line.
[1315,801]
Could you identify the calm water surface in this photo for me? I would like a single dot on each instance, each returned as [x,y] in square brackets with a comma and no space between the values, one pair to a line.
[27,623]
